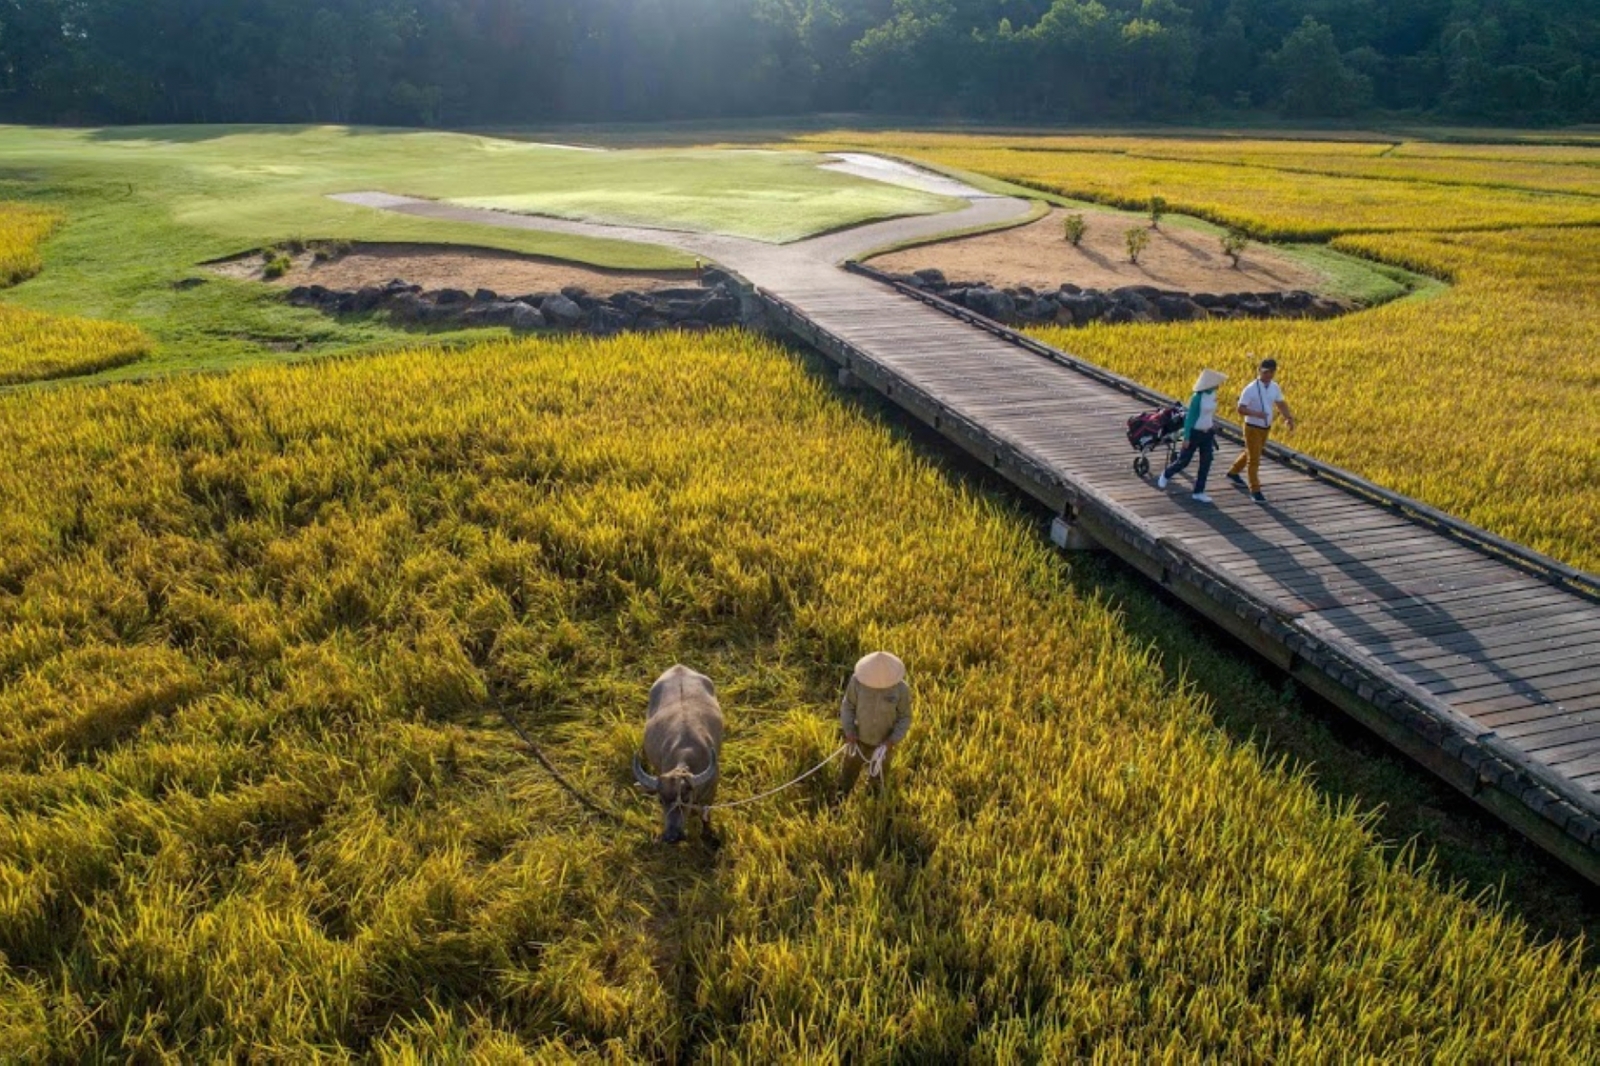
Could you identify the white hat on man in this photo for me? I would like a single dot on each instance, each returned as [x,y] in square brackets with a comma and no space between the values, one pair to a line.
[1208,380]
[881,669]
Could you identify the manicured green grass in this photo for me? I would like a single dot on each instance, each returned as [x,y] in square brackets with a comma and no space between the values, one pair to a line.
[144,206]
[766,195]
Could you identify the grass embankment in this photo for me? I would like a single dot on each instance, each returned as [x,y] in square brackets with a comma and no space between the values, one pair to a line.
[146,205]
[1481,399]
[256,629]
[37,347]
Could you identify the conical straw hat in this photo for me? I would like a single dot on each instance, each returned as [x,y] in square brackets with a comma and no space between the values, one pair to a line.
[1209,379]
[881,669]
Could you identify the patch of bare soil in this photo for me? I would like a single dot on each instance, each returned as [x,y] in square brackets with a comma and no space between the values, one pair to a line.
[434,267]
[1038,255]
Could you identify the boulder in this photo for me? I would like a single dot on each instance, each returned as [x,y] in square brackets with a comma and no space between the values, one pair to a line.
[992,304]
[1083,307]
[580,296]
[406,306]
[930,278]
[1118,314]
[560,310]
[630,303]
[1135,298]
[606,320]
[720,310]
[485,296]
[524,317]
[1255,307]
[451,297]
[1069,288]
[1038,309]
[366,299]
[1175,307]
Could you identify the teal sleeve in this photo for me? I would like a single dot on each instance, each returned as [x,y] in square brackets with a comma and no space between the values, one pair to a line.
[1193,415]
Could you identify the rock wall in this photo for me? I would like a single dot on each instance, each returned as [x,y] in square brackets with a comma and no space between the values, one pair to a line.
[574,309]
[1070,305]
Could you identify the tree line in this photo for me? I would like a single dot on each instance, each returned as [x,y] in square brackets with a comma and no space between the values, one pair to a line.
[474,62]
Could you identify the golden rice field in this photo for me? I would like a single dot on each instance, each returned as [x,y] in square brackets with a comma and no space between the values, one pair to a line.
[1483,401]
[1278,191]
[255,629]
[39,347]
[22,229]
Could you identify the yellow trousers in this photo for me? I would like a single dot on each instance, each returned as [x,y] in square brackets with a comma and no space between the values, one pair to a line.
[1255,440]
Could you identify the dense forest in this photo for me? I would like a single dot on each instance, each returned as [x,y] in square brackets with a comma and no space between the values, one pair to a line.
[467,62]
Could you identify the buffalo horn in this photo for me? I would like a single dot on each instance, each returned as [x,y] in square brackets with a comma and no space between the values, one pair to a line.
[703,778]
[646,782]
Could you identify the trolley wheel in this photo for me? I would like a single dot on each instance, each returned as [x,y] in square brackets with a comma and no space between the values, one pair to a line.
[1141,466]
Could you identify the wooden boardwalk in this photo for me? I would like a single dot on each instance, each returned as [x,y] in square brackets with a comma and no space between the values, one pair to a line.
[1480,660]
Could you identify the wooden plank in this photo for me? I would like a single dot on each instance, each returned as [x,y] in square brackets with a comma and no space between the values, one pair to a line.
[1407,634]
[1558,757]
[1553,688]
[1482,643]
[1488,705]
[1511,633]
[1560,745]
[1545,723]
[1522,657]
[1585,767]
[1332,582]
[1379,558]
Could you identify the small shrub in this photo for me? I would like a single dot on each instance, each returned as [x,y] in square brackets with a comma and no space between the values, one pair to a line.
[1158,207]
[1074,227]
[277,266]
[1233,245]
[1137,239]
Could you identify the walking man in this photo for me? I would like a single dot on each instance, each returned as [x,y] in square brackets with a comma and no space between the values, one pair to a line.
[1258,403]
[874,716]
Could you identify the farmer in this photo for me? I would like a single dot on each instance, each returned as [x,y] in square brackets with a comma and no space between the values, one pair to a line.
[1199,433]
[1259,400]
[875,715]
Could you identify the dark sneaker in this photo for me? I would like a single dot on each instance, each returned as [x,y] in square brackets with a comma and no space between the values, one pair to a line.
[1236,479]
[1259,497]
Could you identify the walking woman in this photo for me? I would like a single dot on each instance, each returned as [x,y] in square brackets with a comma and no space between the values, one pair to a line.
[1199,433]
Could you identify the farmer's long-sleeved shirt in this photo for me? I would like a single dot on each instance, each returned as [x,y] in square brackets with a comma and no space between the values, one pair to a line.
[876,714]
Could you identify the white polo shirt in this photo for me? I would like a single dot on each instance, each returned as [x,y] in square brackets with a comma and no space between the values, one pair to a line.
[1263,396]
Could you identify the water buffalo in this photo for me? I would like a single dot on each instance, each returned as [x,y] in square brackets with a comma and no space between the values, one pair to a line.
[682,736]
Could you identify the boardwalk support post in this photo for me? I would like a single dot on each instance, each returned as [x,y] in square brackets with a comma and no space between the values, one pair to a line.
[1066,535]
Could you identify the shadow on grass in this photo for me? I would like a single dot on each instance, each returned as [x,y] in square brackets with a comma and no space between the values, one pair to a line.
[1258,705]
